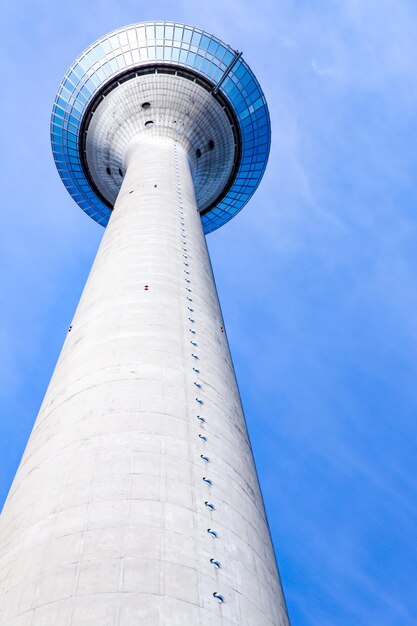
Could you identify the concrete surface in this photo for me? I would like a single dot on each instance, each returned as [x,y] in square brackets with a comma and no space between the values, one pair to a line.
[107,520]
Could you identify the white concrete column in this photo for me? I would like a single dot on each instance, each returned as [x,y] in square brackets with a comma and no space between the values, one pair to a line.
[137,498]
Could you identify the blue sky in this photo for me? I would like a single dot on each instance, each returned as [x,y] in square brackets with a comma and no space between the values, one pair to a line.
[316,276]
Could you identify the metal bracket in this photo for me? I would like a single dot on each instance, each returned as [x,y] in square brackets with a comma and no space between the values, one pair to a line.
[227,71]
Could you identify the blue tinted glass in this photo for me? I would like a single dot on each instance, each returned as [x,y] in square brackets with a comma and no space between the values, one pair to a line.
[228,57]
[205,42]
[178,33]
[59,111]
[205,66]
[198,61]
[68,86]
[217,74]
[239,69]
[213,46]
[73,77]
[56,129]
[246,79]
[82,98]
[187,35]
[221,51]
[61,102]
[196,38]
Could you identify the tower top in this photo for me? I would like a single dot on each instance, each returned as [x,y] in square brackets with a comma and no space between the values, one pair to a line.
[161,78]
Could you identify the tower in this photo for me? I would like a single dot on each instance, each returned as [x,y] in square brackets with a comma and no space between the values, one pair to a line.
[136,501]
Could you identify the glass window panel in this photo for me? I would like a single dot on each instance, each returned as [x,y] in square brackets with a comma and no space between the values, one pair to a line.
[90,58]
[78,70]
[101,75]
[99,52]
[205,66]
[114,42]
[62,103]
[105,44]
[228,56]
[113,64]
[57,139]
[198,61]
[187,35]
[75,74]
[160,31]
[258,103]
[205,42]
[131,35]
[58,111]
[141,33]
[195,40]
[123,38]
[105,69]
[150,32]
[239,69]
[178,33]
[68,86]
[213,46]
[217,74]
[93,81]
[85,91]
[90,83]
[159,52]
[127,57]
[254,90]
[246,79]
[169,32]
[221,51]
[82,98]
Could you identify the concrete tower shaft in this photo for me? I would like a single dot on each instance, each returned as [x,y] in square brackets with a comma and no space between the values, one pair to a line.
[137,497]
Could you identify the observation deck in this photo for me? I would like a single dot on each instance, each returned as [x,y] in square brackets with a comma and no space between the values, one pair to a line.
[161,78]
